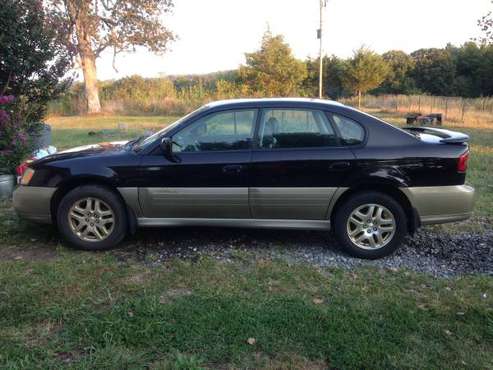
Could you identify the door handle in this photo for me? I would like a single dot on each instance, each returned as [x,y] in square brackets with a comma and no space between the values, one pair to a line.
[339,165]
[232,168]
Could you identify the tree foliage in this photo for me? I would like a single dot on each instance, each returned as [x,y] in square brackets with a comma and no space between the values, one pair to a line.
[32,61]
[366,70]
[333,77]
[398,79]
[273,70]
[486,26]
[117,24]
[434,71]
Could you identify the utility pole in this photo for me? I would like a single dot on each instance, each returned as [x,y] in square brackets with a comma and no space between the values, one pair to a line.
[323,4]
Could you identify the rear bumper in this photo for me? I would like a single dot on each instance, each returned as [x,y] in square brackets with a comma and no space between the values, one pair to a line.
[441,204]
[34,203]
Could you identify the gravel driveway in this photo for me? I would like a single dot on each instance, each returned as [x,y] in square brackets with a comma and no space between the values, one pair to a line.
[430,250]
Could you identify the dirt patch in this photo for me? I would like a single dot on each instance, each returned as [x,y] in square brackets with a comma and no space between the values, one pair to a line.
[15,253]
[172,294]
[138,278]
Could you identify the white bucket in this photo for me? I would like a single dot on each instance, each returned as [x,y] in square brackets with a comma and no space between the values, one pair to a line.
[7,184]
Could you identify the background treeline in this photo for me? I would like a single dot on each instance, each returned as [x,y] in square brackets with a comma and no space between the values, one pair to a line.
[465,71]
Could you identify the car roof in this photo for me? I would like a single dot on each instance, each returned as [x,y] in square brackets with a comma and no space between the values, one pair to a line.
[267,102]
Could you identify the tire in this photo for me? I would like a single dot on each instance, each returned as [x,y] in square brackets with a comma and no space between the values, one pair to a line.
[86,207]
[356,239]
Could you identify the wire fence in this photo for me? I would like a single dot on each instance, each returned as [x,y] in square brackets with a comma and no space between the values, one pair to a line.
[475,111]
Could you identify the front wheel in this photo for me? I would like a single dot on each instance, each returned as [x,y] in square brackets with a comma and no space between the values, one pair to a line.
[370,225]
[92,217]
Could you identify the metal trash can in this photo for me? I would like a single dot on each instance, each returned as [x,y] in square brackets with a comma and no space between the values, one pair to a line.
[42,138]
[7,184]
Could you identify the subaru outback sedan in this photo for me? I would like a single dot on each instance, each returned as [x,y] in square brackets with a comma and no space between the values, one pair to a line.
[262,163]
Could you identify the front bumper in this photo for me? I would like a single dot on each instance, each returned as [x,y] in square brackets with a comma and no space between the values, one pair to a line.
[34,203]
[441,204]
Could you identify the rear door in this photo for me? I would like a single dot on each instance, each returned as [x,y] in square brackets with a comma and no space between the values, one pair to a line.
[297,165]
[209,179]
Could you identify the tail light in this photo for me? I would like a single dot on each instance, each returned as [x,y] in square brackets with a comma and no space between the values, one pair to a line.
[462,162]
[20,169]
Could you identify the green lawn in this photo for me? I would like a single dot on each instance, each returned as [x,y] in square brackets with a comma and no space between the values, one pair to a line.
[91,310]
[73,131]
[61,308]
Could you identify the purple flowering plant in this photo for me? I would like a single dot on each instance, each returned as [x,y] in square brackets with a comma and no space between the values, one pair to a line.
[15,142]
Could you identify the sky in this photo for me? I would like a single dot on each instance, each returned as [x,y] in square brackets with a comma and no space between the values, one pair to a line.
[214,35]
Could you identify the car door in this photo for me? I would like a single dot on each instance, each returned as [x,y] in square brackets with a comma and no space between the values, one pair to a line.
[209,177]
[297,165]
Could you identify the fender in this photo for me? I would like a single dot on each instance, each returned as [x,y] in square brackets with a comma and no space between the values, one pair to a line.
[377,174]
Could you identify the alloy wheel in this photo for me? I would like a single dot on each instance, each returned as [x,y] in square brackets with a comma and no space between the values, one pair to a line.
[91,219]
[371,226]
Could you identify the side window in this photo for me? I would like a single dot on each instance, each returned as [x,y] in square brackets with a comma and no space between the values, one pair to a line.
[230,130]
[295,128]
[351,132]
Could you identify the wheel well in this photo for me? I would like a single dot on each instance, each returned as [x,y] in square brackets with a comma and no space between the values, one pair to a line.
[67,187]
[412,217]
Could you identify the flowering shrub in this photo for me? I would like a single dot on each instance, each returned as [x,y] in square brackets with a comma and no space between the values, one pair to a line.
[15,133]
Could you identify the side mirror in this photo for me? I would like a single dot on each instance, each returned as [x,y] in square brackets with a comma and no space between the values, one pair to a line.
[167,149]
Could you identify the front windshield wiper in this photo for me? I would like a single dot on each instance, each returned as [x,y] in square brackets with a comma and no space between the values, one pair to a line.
[133,143]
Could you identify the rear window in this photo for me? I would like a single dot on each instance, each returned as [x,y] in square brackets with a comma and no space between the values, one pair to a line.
[351,132]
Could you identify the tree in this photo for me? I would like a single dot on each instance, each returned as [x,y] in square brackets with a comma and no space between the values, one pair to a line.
[486,26]
[273,70]
[333,73]
[32,62]
[434,71]
[398,80]
[468,60]
[92,26]
[366,70]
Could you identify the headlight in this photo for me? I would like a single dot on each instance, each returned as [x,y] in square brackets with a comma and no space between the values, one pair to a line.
[27,176]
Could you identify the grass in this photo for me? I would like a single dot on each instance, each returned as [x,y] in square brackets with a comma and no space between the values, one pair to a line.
[61,308]
[87,310]
[73,131]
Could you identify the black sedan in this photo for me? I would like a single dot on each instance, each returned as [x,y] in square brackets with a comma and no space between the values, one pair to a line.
[275,163]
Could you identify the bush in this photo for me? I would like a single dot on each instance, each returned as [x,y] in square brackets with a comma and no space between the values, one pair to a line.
[16,135]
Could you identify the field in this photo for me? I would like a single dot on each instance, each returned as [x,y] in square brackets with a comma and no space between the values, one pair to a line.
[127,308]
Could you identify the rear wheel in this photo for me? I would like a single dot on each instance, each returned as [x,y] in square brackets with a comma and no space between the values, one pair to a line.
[370,225]
[92,217]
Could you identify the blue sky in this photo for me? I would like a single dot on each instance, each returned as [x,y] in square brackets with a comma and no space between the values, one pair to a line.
[215,34]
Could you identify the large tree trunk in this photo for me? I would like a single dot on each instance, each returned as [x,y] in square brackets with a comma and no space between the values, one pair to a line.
[77,10]
[88,61]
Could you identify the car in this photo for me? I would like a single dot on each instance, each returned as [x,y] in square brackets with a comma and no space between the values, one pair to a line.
[265,163]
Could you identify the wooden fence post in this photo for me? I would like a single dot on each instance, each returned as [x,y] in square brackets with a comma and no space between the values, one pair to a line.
[463,109]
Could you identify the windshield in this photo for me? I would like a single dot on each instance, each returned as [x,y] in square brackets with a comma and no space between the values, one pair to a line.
[141,144]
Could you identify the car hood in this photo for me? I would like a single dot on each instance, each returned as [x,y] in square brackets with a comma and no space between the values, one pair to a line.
[96,148]
[105,148]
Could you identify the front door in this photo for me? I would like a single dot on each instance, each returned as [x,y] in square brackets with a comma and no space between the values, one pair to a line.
[209,179]
[297,166]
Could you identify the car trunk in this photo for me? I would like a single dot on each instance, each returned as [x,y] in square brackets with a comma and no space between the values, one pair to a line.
[438,135]
[453,142]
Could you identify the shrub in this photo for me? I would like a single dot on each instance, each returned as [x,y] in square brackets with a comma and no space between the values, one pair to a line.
[15,133]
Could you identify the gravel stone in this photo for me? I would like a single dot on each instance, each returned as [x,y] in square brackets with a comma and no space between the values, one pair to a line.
[430,250]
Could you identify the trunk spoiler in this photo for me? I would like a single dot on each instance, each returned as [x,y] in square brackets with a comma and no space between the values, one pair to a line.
[446,136]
